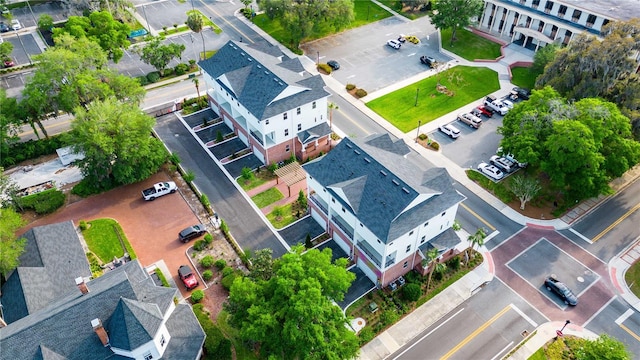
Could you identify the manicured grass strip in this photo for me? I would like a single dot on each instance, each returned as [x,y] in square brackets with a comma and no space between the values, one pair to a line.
[251,183]
[285,219]
[468,84]
[366,12]
[267,197]
[632,278]
[470,46]
[538,355]
[523,77]
[206,21]
[102,239]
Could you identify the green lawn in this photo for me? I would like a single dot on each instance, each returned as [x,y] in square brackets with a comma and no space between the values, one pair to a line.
[267,197]
[257,179]
[523,77]
[632,278]
[284,220]
[103,241]
[468,83]
[538,355]
[470,46]
[366,12]
[396,5]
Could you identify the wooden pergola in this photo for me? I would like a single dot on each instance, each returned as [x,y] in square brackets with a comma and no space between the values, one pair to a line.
[291,174]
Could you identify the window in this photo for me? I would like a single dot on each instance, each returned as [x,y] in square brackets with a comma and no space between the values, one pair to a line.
[284,116]
[162,340]
[443,213]
[286,132]
[298,111]
[267,122]
[426,224]
[536,3]
[548,6]
[406,263]
[562,10]
[148,356]
[361,225]
[576,15]
[313,105]
[410,232]
[333,201]
[408,248]
[424,238]
[286,148]
[591,19]
[299,127]
[343,210]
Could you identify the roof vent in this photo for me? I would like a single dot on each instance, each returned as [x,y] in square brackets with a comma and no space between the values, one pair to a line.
[250,59]
[259,66]
[356,151]
[349,146]
[395,182]
[242,53]
[266,72]
[367,160]
[383,172]
[405,190]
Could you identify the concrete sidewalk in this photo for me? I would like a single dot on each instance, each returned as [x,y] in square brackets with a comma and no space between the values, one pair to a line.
[546,332]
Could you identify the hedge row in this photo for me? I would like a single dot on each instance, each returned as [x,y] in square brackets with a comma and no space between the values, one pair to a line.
[32,149]
[216,346]
[44,202]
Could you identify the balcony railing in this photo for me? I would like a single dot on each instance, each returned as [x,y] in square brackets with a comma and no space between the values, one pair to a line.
[257,137]
[316,200]
[343,225]
[371,254]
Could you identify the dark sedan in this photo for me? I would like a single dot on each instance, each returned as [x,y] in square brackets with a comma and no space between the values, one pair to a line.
[192,232]
[428,60]
[522,93]
[552,284]
[334,65]
[3,27]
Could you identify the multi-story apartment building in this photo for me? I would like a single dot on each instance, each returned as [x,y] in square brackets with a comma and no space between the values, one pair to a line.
[383,204]
[269,100]
[535,23]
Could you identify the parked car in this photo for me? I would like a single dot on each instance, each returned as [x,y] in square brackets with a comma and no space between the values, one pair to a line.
[450,130]
[496,105]
[482,110]
[491,171]
[159,189]
[401,39]
[15,24]
[522,93]
[333,65]
[503,164]
[562,290]
[511,158]
[3,27]
[187,277]
[428,60]
[508,103]
[412,39]
[192,232]
[394,44]
[470,119]
[7,62]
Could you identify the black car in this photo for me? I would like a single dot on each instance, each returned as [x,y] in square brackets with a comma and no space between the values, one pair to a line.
[428,60]
[3,27]
[522,93]
[552,284]
[333,65]
[192,232]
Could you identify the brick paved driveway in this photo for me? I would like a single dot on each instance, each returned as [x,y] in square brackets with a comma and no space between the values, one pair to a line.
[152,227]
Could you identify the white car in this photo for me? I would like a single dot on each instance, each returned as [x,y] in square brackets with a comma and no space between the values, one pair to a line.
[491,171]
[15,24]
[450,130]
[394,44]
[503,164]
[508,103]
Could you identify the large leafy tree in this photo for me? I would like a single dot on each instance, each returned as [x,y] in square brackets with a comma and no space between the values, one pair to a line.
[9,122]
[101,28]
[600,67]
[6,48]
[291,314]
[158,54]
[302,18]
[604,347]
[195,22]
[10,246]
[580,146]
[116,141]
[454,14]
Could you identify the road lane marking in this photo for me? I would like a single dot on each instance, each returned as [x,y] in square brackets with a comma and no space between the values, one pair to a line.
[581,236]
[354,122]
[427,334]
[478,216]
[630,332]
[624,316]
[615,223]
[524,316]
[244,36]
[584,325]
[476,332]
[501,351]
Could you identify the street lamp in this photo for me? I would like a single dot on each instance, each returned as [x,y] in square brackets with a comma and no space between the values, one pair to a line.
[559,332]
[417,92]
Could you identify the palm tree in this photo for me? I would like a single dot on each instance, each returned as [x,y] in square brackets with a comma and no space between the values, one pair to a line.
[196,82]
[432,259]
[332,106]
[196,23]
[476,240]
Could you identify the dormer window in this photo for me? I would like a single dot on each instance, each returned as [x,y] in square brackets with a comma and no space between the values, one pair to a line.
[284,116]
[313,105]
[298,111]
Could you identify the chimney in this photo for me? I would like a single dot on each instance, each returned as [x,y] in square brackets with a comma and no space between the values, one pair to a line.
[82,285]
[100,331]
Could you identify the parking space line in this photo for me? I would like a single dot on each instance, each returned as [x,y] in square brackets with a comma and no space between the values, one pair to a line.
[244,36]
[615,223]
[493,228]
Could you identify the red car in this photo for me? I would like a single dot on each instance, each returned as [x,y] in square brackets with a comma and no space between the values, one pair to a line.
[188,278]
[482,110]
[8,62]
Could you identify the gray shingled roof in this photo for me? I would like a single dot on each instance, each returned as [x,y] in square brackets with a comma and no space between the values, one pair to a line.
[378,178]
[133,324]
[256,75]
[314,133]
[64,327]
[53,258]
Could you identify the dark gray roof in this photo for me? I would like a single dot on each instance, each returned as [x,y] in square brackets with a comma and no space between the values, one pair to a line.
[390,188]
[448,239]
[64,327]
[314,133]
[257,74]
[52,259]
[187,336]
[612,9]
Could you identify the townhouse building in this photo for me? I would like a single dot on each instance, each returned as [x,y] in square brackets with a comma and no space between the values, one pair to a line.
[383,204]
[269,101]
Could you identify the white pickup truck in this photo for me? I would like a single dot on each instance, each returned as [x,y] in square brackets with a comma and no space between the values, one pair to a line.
[497,105]
[159,189]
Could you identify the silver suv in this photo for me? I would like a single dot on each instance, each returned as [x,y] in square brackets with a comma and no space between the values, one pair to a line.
[503,163]
[470,119]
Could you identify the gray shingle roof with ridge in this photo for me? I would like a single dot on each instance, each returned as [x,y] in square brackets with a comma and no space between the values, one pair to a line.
[256,75]
[133,324]
[378,178]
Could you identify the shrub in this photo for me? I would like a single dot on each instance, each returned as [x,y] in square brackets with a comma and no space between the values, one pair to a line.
[162,278]
[197,296]
[207,261]
[205,201]
[153,77]
[435,145]
[411,292]
[220,264]
[453,263]
[366,335]
[83,225]
[32,149]
[181,69]
[207,275]
[247,174]
[226,271]
[388,317]
[228,280]
[361,93]
[189,176]
[350,87]
[219,137]
[44,202]
[208,238]
[326,68]
[199,245]
[216,345]
[224,227]
[143,80]
[422,137]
